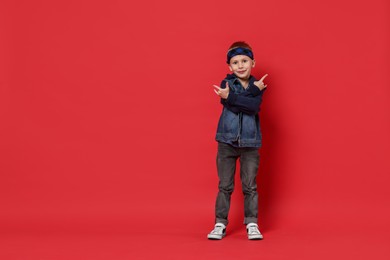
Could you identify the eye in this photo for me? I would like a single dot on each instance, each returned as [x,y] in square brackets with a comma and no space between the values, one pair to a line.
[234,62]
[245,61]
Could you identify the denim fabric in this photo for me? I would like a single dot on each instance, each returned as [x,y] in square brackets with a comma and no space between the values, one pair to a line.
[239,123]
[226,164]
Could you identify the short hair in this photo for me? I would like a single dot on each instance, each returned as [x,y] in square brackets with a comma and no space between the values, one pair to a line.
[240,44]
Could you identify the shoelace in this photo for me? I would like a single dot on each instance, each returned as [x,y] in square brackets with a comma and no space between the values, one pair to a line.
[217,230]
[253,230]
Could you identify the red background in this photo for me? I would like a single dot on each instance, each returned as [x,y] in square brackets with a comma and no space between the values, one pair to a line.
[108,118]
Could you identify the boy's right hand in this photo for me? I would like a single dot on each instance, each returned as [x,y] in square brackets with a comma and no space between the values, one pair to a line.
[260,83]
[222,92]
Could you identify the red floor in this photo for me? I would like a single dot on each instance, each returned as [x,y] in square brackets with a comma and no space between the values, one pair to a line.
[187,240]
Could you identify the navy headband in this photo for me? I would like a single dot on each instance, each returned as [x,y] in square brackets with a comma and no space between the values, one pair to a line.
[239,51]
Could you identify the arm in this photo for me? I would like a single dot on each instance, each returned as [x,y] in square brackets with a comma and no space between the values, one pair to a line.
[224,102]
[247,102]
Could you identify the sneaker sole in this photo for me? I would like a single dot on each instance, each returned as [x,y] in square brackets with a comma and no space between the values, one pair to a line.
[215,237]
[255,237]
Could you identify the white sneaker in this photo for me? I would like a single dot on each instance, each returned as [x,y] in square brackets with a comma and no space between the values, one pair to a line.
[253,231]
[218,232]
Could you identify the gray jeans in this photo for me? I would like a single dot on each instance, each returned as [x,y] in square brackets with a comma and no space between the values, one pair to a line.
[226,166]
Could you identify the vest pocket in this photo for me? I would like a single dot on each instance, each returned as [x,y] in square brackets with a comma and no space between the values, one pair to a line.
[230,122]
[249,127]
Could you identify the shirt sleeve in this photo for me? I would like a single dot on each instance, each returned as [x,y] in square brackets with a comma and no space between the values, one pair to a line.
[247,102]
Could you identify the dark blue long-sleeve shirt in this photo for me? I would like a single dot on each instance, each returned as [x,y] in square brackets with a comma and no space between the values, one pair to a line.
[243,100]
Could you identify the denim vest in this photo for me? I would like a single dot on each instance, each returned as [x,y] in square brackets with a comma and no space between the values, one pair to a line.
[237,126]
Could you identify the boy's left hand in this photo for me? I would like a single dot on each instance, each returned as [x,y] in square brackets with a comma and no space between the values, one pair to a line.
[260,83]
[222,92]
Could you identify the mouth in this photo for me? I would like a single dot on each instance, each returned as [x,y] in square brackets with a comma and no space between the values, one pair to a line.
[241,72]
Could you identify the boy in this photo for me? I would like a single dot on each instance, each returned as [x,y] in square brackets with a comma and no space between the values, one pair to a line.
[238,136]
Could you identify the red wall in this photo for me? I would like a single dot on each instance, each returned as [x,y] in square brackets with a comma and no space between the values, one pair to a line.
[108,113]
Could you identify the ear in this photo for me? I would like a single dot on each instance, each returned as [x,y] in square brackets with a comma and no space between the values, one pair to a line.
[230,67]
[253,63]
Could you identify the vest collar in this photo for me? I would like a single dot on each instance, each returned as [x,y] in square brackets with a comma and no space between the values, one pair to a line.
[235,79]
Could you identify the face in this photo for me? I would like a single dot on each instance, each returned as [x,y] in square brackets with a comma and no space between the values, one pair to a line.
[241,66]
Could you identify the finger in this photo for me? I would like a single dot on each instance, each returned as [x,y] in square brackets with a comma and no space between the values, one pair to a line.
[215,86]
[263,77]
[227,84]
[216,92]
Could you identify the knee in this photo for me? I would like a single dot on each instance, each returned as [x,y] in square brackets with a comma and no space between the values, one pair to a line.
[226,187]
[249,189]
